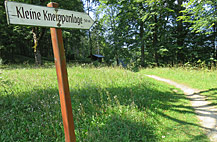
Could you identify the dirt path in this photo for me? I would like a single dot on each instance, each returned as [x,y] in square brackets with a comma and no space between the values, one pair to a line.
[207,114]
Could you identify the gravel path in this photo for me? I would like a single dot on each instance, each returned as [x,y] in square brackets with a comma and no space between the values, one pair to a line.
[207,114]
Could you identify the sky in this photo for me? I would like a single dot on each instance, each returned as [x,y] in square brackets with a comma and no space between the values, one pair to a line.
[85,8]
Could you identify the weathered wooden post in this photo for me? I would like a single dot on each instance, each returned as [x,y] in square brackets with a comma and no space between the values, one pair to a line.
[62,77]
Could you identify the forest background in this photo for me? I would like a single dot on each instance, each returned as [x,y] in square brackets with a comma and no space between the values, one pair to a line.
[138,33]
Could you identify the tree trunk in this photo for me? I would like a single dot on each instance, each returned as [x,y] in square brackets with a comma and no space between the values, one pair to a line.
[38,58]
[142,43]
[155,41]
[141,34]
[215,38]
[90,44]
[89,34]
[35,32]
[214,43]
[180,32]
[36,47]
[117,60]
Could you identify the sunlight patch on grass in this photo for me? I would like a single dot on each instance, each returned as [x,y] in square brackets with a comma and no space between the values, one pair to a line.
[204,80]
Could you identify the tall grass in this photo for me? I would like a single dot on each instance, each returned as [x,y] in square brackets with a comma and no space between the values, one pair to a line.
[109,104]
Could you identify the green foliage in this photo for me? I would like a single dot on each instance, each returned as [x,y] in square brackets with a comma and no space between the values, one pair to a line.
[18,40]
[139,33]
[200,14]
[166,40]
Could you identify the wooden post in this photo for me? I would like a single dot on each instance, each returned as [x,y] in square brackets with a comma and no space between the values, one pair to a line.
[65,100]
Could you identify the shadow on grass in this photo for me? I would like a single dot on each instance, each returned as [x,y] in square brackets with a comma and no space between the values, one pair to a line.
[211,95]
[209,90]
[117,128]
[35,115]
[198,138]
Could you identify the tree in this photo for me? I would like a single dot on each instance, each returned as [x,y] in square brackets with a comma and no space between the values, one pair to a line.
[18,42]
[202,15]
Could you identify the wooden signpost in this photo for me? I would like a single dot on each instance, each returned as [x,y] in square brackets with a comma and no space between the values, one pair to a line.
[51,16]
[26,14]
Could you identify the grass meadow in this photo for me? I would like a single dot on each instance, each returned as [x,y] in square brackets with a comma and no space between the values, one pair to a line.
[203,80]
[109,105]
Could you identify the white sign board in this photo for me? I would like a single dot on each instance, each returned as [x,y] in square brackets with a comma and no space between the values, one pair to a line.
[26,14]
